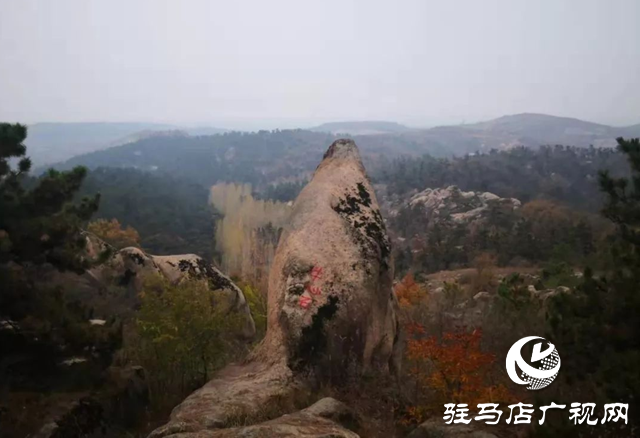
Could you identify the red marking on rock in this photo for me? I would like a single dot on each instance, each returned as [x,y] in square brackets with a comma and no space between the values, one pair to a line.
[316,273]
[315,290]
[304,302]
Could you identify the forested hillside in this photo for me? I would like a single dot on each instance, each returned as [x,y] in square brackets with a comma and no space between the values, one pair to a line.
[564,174]
[253,158]
[171,215]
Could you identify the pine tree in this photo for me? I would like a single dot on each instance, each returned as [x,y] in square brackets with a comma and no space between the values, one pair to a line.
[39,225]
[597,325]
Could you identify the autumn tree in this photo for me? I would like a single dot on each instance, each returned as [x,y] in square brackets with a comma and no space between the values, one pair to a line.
[112,232]
[409,292]
[247,234]
[451,369]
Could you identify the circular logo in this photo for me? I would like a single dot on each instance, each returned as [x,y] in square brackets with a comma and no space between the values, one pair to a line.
[541,370]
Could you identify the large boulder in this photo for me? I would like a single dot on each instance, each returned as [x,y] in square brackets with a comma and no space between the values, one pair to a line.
[332,313]
[331,304]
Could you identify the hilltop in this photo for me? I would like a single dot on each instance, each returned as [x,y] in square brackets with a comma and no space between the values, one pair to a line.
[530,128]
[53,142]
[361,128]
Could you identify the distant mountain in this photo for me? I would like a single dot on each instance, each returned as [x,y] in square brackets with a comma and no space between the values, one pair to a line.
[361,128]
[530,130]
[535,129]
[630,131]
[53,142]
[268,157]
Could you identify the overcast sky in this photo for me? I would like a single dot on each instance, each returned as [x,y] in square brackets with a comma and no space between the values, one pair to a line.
[269,63]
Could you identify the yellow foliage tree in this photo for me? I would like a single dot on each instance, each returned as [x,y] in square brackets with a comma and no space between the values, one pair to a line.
[257,301]
[112,232]
[409,292]
[247,235]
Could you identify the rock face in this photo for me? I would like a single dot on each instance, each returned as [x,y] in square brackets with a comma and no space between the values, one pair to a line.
[326,418]
[330,288]
[461,207]
[331,313]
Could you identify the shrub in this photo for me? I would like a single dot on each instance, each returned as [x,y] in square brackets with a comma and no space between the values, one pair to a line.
[258,305]
[181,336]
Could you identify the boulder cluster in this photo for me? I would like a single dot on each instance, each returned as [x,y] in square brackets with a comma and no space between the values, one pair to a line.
[459,206]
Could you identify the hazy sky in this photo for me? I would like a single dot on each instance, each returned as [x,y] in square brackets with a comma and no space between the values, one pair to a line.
[269,63]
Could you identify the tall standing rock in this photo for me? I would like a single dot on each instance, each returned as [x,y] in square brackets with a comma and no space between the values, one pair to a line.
[331,305]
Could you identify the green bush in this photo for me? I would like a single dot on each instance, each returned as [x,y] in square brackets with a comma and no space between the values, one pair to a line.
[182,334]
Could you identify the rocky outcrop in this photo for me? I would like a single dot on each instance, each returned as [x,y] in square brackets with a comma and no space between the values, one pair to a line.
[245,392]
[178,267]
[125,270]
[331,315]
[326,418]
[460,207]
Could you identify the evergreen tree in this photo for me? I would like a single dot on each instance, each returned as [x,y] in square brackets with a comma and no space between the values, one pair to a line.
[597,325]
[39,225]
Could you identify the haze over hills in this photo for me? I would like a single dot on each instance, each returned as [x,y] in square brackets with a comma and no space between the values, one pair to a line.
[530,130]
[272,157]
[361,127]
[291,154]
[52,142]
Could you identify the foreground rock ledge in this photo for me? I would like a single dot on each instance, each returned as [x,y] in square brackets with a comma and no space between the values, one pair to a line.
[332,314]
